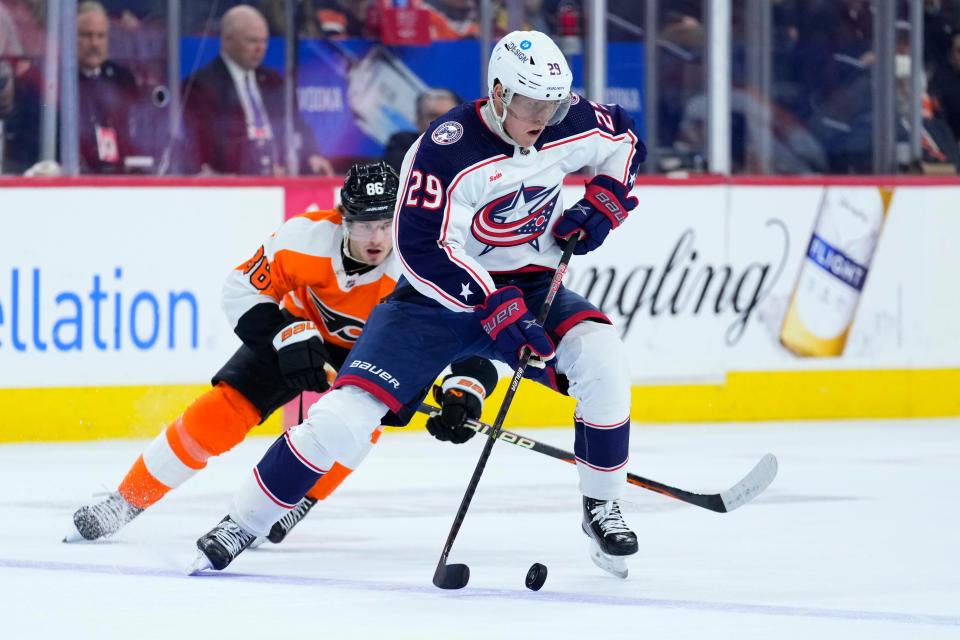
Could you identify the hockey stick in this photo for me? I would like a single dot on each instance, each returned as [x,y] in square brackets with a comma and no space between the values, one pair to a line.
[745,490]
[456,576]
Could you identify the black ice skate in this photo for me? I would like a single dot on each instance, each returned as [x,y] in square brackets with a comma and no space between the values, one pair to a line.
[102,519]
[219,546]
[610,537]
[282,527]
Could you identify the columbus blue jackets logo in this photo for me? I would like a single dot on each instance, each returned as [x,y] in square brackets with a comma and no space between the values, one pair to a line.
[337,324]
[516,218]
[447,133]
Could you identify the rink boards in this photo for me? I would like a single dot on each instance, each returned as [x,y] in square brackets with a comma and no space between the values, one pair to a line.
[110,318]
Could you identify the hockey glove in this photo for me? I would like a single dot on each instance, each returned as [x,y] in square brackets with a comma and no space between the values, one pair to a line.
[512,327]
[599,211]
[302,355]
[457,404]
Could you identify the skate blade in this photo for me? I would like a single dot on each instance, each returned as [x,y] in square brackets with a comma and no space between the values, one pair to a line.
[257,542]
[199,564]
[614,565]
[74,535]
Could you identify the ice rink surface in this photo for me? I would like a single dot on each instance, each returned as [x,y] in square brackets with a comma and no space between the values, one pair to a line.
[858,537]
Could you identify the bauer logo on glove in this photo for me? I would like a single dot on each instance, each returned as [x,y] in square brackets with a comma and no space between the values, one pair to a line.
[511,326]
[302,356]
[502,317]
[302,330]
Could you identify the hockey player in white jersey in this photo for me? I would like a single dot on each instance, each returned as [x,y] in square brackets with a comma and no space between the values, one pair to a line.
[478,230]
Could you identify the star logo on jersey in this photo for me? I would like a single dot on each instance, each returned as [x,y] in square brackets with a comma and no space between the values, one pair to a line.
[516,218]
[340,325]
[465,291]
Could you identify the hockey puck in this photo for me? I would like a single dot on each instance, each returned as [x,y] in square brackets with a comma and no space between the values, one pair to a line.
[536,576]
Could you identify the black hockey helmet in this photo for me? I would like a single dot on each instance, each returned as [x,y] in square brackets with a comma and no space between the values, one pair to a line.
[369,192]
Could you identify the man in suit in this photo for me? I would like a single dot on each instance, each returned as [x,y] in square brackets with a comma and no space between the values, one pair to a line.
[234,109]
[106,92]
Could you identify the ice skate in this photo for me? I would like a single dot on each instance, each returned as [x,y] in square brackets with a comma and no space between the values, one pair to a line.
[219,546]
[105,518]
[610,537]
[282,527]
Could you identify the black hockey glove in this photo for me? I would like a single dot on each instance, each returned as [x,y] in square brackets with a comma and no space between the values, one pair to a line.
[301,355]
[456,405]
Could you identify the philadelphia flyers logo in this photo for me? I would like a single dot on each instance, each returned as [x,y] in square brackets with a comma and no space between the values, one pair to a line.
[340,325]
[519,217]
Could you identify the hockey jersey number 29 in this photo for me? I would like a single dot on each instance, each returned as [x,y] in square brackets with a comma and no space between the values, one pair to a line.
[473,205]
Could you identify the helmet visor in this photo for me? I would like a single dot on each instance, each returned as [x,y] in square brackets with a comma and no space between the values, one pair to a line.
[532,110]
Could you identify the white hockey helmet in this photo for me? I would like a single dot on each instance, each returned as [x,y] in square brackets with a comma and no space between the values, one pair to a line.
[529,63]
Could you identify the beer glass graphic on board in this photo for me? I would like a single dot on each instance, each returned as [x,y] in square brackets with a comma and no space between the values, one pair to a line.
[834,270]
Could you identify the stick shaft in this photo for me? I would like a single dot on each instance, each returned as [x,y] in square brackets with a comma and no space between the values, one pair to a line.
[505,406]
[710,501]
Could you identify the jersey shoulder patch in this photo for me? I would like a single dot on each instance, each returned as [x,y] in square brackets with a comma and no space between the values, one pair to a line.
[457,140]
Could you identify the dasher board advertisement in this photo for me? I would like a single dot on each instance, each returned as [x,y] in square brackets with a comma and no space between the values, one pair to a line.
[708,279]
[121,286]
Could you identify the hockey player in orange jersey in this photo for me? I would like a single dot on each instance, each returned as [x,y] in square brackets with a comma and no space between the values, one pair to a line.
[298,305]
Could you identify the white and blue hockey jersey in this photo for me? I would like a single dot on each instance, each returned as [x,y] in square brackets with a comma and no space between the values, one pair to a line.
[473,205]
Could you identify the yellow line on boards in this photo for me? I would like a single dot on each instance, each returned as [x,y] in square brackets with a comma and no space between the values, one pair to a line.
[75,413]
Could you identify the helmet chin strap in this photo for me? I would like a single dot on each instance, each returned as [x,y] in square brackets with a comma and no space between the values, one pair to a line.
[495,121]
[346,249]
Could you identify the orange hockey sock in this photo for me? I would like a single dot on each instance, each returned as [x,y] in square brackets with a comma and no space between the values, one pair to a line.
[332,479]
[214,423]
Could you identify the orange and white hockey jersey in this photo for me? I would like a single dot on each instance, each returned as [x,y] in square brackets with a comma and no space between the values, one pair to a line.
[300,268]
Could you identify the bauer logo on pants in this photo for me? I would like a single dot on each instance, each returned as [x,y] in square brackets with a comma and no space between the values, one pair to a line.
[377,371]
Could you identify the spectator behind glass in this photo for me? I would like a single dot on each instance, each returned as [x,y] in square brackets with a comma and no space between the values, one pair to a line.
[319,18]
[835,57]
[431,104]
[275,13]
[107,92]
[938,29]
[340,18]
[19,100]
[945,87]
[9,46]
[452,19]
[234,109]
[531,17]
[28,18]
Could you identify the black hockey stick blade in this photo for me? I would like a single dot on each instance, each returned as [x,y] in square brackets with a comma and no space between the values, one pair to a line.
[451,576]
[742,492]
[455,576]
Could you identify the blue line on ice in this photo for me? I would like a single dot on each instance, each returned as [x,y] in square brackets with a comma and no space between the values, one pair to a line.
[513,594]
